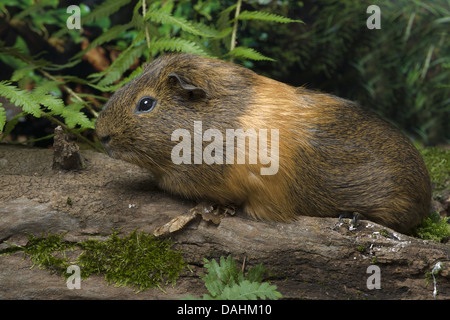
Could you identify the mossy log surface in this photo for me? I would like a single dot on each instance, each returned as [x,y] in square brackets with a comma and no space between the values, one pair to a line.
[311,258]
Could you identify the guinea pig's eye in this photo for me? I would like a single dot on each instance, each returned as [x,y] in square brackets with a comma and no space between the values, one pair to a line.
[145,104]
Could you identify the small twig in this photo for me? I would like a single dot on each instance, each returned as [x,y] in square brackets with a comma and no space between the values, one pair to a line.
[147,35]
[71,92]
[235,27]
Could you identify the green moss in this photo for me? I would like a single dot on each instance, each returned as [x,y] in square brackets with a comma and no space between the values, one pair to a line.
[433,228]
[138,260]
[384,233]
[437,161]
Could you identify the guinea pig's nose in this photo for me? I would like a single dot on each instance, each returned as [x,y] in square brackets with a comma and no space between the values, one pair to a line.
[105,139]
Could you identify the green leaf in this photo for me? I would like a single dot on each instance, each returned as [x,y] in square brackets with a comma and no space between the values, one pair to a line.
[256,273]
[198,29]
[21,98]
[2,117]
[219,275]
[442,20]
[248,53]
[105,10]
[9,126]
[54,67]
[19,74]
[177,44]
[55,104]
[247,290]
[136,72]
[265,16]
[107,36]
[36,7]
[73,116]
[225,281]
[18,54]
[48,86]
[123,62]
[224,17]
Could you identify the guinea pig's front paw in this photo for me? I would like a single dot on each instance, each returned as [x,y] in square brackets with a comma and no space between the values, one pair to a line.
[208,212]
[213,212]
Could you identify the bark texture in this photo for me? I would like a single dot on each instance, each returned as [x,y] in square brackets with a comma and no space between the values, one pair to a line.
[311,258]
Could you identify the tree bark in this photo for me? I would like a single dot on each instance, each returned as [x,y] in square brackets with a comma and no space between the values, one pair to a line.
[311,258]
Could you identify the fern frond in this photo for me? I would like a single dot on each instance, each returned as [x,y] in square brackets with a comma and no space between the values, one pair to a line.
[109,35]
[43,96]
[124,81]
[177,44]
[225,281]
[248,53]
[45,87]
[73,62]
[21,98]
[220,275]
[104,10]
[123,62]
[33,8]
[256,273]
[22,72]
[55,104]
[73,116]
[2,117]
[224,17]
[247,290]
[9,126]
[198,29]
[265,16]
[18,54]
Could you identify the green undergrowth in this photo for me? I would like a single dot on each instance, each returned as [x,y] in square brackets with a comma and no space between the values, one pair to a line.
[437,161]
[141,261]
[138,260]
[435,227]
[225,281]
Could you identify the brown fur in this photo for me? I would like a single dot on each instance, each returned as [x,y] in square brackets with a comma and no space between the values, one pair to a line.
[334,156]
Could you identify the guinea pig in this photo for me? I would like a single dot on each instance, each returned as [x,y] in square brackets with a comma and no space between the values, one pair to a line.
[215,131]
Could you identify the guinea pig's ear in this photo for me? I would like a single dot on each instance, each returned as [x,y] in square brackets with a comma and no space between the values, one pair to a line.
[194,92]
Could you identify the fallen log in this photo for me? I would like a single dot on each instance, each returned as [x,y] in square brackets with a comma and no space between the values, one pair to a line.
[311,258]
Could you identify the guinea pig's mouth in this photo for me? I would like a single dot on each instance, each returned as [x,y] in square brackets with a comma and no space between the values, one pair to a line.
[115,154]
[105,140]
[121,153]
[112,151]
[109,151]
